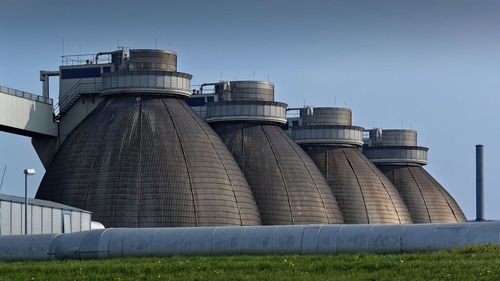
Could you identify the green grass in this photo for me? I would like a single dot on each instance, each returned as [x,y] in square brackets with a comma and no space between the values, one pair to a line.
[470,263]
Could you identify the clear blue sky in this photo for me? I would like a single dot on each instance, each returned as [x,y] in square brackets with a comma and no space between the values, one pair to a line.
[433,66]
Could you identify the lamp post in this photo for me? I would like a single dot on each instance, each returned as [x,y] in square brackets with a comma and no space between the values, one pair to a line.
[27,172]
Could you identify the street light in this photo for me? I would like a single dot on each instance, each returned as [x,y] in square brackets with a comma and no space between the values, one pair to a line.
[27,172]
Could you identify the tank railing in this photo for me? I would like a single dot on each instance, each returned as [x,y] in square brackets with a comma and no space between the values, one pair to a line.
[73,91]
[201,90]
[83,59]
[107,55]
[210,84]
[26,95]
[293,113]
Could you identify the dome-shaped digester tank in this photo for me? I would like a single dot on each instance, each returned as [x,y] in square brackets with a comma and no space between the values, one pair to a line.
[396,154]
[287,186]
[363,193]
[143,158]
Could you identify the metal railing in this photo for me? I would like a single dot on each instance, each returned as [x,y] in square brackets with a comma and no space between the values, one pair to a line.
[84,59]
[292,113]
[26,95]
[195,90]
[73,94]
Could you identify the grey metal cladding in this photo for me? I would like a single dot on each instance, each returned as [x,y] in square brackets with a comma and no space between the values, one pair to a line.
[149,82]
[149,161]
[287,186]
[328,134]
[329,116]
[396,155]
[252,90]
[399,137]
[363,193]
[153,59]
[259,111]
[426,199]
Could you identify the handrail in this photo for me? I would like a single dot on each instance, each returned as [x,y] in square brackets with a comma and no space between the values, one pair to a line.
[81,59]
[71,93]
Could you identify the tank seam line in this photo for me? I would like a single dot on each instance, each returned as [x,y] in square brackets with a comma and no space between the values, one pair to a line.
[309,172]
[185,161]
[139,164]
[421,194]
[243,150]
[222,163]
[359,184]
[444,196]
[281,172]
[94,164]
[385,188]
[95,161]
[73,146]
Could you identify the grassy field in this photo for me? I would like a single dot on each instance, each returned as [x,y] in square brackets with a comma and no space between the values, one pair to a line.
[471,263]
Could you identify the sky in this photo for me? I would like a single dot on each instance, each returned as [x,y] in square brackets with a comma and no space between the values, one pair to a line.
[432,66]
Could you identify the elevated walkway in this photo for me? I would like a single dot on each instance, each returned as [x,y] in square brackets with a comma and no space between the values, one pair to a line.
[26,114]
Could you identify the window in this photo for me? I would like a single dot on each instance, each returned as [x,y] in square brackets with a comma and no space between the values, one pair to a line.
[84,72]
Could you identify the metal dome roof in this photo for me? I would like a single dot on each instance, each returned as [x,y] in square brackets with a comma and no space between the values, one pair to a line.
[396,154]
[426,199]
[287,186]
[363,193]
[149,161]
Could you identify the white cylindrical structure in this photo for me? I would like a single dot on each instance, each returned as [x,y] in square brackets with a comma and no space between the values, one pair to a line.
[249,240]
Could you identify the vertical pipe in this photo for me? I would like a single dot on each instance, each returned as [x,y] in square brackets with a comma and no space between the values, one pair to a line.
[45,91]
[479,183]
[25,203]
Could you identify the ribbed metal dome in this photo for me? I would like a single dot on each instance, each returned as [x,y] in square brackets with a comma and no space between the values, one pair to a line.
[363,193]
[149,161]
[396,154]
[288,187]
[426,199]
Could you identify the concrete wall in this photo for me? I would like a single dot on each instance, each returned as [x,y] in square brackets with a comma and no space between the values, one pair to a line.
[25,116]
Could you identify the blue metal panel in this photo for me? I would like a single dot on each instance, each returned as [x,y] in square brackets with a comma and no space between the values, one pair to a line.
[198,101]
[84,72]
[210,99]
